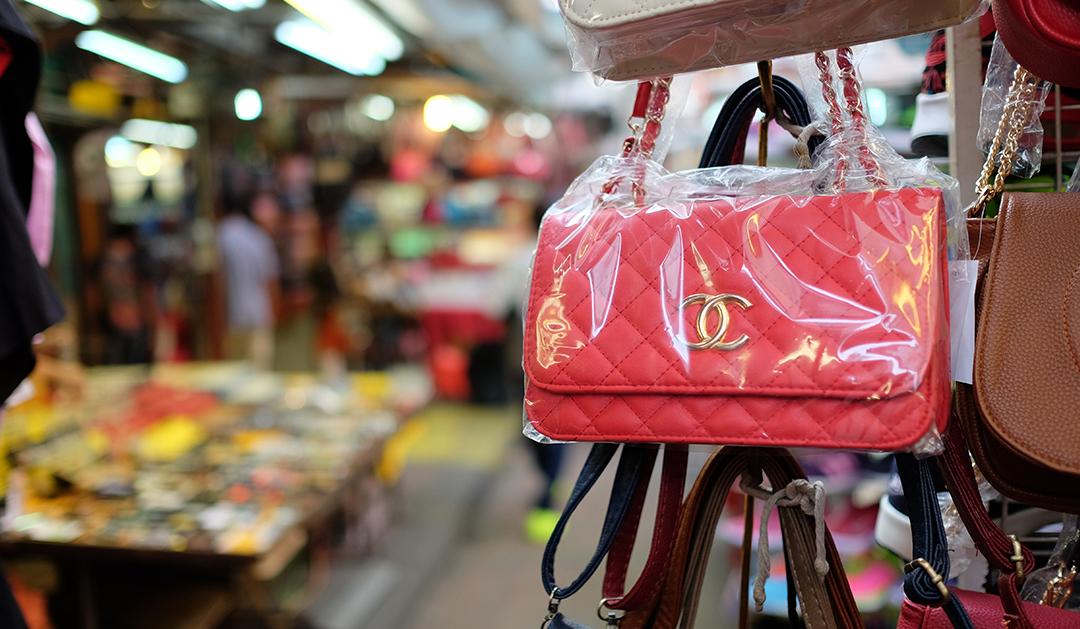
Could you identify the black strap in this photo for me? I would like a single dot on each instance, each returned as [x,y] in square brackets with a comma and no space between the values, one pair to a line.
[635,460]
[928,540]
[737,113]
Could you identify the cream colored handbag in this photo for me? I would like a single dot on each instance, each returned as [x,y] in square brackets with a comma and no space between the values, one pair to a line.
[638,39]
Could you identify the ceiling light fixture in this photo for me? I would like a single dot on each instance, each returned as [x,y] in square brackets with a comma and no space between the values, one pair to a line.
[247,104]
[343,52]
[81,11]
[352,20]
[133,55]
[378,107]
[237,5]
[439,113]
[179,136]
[469,115]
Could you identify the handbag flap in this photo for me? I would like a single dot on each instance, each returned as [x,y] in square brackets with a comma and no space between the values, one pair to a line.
[828,296]
[1027,354]
[590,14]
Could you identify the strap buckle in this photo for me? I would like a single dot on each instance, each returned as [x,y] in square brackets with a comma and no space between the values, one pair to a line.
[1017,557]
[935,577]
[552,609]
[612,618]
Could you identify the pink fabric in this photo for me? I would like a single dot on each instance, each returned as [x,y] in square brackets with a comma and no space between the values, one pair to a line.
[39,221]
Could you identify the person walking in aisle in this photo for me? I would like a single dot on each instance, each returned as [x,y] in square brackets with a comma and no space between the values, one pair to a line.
[249,265]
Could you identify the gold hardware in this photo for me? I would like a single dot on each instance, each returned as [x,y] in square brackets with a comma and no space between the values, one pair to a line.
[717,303]
[1018,107]
[1060,588]
[1017,557]
[935,578]
[552,609]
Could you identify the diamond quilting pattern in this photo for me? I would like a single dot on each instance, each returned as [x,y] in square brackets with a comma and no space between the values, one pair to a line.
[845,322]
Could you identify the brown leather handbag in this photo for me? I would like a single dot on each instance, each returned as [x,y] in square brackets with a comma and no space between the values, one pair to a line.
[1021,415]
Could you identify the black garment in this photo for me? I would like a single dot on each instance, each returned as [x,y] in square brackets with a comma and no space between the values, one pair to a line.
[28,303]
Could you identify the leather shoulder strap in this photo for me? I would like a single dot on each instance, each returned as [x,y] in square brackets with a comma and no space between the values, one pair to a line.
[636,461]
[924,581]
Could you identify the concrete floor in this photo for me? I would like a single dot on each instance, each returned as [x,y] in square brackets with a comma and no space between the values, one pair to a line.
[457,557]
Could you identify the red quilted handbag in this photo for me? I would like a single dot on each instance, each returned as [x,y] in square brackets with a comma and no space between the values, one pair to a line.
[1043,36]
[814,321]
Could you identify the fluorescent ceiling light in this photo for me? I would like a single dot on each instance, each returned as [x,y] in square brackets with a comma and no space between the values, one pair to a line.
[180,136]
[237,5]
[378,107]
[469,115]
[133,55]
[247,104]
[352,20]
[439,113]
[344,52]
[81,11]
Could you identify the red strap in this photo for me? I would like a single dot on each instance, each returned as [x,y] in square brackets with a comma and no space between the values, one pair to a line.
[641,102]
[669,504]
[998,548]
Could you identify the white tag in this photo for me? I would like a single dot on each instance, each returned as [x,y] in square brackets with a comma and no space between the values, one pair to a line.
[962,274]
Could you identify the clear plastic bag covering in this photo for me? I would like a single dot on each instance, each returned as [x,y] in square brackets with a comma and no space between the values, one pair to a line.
[744,305]
[1054,584]
[636,39]
[995,95]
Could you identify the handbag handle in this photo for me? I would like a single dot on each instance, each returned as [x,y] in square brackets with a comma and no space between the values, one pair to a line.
[701,512]
[924,578]
[1003,552]
[636,461]
[728,135]
[620,528]
[852,95]
[1019,105]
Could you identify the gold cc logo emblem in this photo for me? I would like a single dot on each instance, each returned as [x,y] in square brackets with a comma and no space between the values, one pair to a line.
[717,303]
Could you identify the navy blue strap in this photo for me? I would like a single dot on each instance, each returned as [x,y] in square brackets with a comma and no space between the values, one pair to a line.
[928,540]
[635,461]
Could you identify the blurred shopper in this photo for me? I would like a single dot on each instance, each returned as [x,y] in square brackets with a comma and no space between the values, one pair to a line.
[129,299]
[249,266]
[513,282]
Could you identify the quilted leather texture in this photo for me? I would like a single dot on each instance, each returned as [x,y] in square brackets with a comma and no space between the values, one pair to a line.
[845,338]
[986,613]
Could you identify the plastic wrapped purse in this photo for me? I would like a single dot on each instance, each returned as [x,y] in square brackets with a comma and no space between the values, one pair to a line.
[662,312]
[1020,419]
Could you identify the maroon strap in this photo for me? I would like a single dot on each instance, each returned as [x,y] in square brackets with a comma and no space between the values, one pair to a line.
[669,504]
[998,548]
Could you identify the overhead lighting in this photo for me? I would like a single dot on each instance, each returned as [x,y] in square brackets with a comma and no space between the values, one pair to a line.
[537,126]
[469,115]
[119,152]
[148,162]
[133,55]
[335,49]
[515,124]
[248,104]
[355,21]
[407,15]
[237,5]
[81,11]
[439,113]
[179,136]
[378,107]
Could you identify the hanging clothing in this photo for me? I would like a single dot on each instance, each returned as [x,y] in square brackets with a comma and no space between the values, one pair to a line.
[28,303]
[40,220]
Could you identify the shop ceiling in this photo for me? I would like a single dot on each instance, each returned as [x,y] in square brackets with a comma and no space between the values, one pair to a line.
[507,50]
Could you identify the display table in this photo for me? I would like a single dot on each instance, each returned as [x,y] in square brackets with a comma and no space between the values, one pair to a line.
[212,484]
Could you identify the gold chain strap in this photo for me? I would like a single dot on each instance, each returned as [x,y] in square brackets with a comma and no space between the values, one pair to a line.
[1018,107]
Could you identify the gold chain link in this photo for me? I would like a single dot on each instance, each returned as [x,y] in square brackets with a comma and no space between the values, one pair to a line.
[1019,104]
